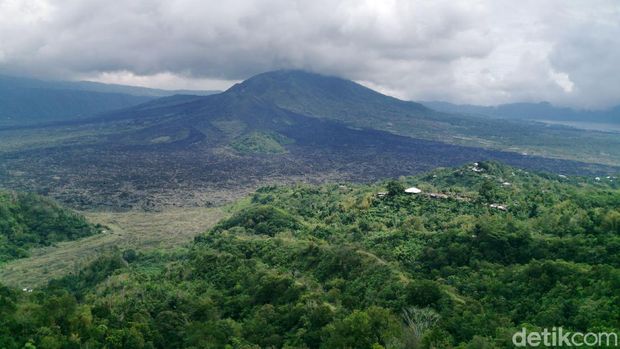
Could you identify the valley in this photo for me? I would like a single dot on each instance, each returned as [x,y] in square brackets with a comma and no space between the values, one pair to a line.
[277,127]
[191,172]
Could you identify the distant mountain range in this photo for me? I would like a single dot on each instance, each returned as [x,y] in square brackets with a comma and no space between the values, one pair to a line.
[530,111]
[30,101]
[279,126]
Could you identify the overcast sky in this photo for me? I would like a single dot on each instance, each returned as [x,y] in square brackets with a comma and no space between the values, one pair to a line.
[484,52]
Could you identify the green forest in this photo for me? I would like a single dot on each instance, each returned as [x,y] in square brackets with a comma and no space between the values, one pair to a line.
[483,251]
[28,220]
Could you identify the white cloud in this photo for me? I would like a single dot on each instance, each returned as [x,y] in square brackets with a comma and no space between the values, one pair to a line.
[484,51]
[563,80]
[164,80]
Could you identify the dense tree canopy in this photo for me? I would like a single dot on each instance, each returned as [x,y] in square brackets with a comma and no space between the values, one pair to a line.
[341,267]
[28,220]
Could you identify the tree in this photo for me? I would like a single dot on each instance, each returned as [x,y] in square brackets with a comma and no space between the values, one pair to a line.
[611,222]
[417,322]
[423,293]
[395,188]
[488,192]
[363,330]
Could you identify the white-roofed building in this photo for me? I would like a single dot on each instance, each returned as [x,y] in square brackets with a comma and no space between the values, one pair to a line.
[413,190]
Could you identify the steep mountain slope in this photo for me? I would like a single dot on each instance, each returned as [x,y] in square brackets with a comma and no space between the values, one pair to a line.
[346,101]
[343,267]
[327,97]
[29,101]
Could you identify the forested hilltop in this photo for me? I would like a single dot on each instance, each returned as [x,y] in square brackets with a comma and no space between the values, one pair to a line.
[29,220]
[482,251]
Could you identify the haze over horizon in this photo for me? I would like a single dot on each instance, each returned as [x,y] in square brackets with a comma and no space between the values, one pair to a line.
[475,52]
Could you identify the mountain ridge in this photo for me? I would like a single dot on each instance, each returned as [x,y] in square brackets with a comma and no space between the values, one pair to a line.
[27,101]
[94,86]
[530,111]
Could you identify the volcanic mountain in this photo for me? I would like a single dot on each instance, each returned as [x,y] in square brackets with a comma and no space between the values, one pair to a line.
[312,95]
[276,127]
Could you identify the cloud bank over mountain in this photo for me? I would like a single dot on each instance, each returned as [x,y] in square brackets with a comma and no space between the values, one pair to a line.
[482,52]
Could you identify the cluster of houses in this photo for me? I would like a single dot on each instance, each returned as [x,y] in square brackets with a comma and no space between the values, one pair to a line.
[610,178]
[598,179]
[418,191]
[415,191]
[411,190]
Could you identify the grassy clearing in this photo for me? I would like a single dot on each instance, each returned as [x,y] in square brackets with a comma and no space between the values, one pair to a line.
[134,229]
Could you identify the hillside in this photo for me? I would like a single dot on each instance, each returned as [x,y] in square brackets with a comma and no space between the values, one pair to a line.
[328,97]
[355,105]
[25,101]
[28,221]
[340,266]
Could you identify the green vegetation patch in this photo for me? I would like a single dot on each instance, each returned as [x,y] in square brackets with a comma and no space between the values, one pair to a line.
[264,219]
[338,266]
[261,143]
[28,220]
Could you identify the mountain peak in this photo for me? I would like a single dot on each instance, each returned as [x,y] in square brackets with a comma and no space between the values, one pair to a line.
[292,79]
[321,95]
